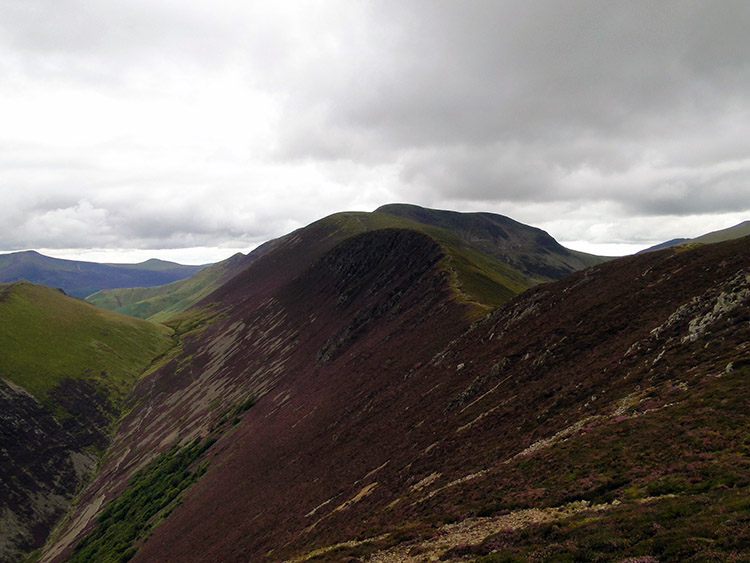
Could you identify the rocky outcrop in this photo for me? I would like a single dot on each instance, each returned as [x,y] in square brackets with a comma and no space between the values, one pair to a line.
[42,466]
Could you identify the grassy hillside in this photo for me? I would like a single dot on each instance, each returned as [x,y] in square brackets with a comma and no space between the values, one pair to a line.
[738,231]
[65,369]
[47,337]
[162,302]
[731,233]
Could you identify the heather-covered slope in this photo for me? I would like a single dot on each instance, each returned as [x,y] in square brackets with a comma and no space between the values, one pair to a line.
[280,343]
[354,411]
[65,368]
[80,278]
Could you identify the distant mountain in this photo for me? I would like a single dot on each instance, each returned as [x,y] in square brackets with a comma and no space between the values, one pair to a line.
[161,302]
[65,370]
[493,257]
[667,244]
[738,231]
[79,278]
[731,233]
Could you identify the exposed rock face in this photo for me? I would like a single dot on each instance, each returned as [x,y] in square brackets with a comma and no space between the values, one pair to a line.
[42,465]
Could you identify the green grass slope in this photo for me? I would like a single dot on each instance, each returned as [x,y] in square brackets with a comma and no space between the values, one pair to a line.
[65,370]
[165,301]
[738,231]
[731,233]
[47,337]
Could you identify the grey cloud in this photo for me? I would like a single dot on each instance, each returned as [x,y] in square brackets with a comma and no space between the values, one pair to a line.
[641,108]
[496,100]
[497,71]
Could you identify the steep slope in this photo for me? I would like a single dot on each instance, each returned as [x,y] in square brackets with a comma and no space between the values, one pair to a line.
[80,278]
[287,321]
[65,369]
[349,408]
[738,231]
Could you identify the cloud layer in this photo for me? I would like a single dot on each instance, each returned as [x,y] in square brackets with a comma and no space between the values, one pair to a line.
[195,124]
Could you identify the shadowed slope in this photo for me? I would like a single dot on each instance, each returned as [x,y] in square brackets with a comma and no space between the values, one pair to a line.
[65,368]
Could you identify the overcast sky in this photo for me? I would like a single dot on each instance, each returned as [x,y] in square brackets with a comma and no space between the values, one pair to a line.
[191,129]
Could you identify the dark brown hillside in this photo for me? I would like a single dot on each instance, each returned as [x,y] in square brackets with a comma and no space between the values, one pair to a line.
[591,415]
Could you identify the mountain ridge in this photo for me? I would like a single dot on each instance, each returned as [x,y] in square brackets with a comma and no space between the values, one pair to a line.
[349,391]
[79,278]
[730,233]
[489,275]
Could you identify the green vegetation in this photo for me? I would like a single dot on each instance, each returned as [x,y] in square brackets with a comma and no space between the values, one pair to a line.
[738,231]
[235,413]
[162,302]
[149,498]
[47,337]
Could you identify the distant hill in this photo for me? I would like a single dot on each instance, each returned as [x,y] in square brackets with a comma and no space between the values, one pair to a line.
[731,233]
[80,278]
[738,231]
[667,244]
[65,370]
[161,302]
